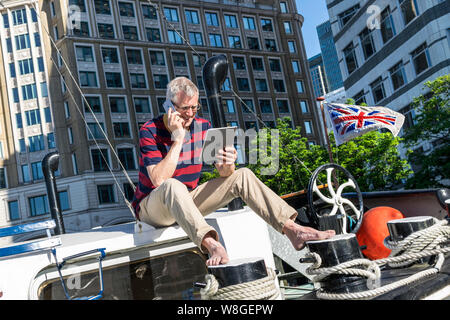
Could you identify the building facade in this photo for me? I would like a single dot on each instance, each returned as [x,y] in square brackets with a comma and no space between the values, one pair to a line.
[329,56]
[387,50]
[120,55]
[318,75]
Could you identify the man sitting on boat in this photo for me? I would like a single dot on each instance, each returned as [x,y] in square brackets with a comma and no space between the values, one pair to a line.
[168,190]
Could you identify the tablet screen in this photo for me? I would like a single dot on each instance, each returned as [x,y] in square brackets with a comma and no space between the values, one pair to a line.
[217,138]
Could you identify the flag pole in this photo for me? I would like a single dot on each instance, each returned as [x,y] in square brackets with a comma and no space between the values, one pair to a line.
[330,154]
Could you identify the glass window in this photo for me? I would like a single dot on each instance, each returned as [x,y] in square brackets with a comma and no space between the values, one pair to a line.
[275,65]
[195,38]
[47,115]
[113,79]
[41,67]
[94,104]
[243,84]
[199,60]
[118,104]
[36,143]
[130,32]
[249,23]
[138,81]
[398,76]
[299,84]
[192,17]
[29,91]
[266,106]
[134,56]
[409,10]
[37,39]
[229,106]
[51,140]
[79,3]
[13,207]
[367,44]
[215,40]
[283,7]
[110,55]
[174,37]
[378,90]
[149,12]
[171,14]
[157,58]
[126,9]
[304,106]
[296,66]
[253,43]
[84,53]
[95,130]
[126,157]
[292,47]
[19,16]
[235,42]
[247,106]
[360,97]
[239,63]
[350,58]
[266,24]
[257,64]
[261,85]
[308,127]
[121,130]
[153,34]
[64,200]
[211,19]
[26,66]
[88,79]
[421,59]
[271,45]
[283,106]
[36,169]
[102,7]
[12,70]
[22,41]
[179,59]
[5,20]
[83,31]
[38,205]
[25,173]
[141,105]
[19,123]
[2,177]
[15,92]
[345,16]
[226,86]
[100,159]
[387,25]
[230,21]
[278,85]
[287,27]
[22,146]
[34,17]
[106,193]
[106,30]
[161,81]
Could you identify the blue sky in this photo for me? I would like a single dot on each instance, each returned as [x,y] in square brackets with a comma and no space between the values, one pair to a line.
[315,12]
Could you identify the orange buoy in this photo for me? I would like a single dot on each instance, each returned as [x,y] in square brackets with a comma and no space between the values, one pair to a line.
[374,230]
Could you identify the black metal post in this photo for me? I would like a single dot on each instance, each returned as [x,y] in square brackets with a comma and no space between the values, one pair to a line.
[49,166]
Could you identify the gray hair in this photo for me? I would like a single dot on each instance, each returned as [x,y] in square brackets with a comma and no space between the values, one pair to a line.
[180,84]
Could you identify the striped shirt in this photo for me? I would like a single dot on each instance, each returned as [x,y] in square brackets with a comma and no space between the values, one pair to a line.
[155,142]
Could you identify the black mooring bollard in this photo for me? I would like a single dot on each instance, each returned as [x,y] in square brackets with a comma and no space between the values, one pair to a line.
[401,228]
[336,250]
[239,271]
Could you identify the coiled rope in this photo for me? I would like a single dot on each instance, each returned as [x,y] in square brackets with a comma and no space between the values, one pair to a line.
[418,245]
[261,289]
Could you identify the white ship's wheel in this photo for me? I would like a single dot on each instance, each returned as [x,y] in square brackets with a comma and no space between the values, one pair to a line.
[328,200]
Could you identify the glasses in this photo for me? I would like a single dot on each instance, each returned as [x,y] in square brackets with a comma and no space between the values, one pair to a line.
[186,108]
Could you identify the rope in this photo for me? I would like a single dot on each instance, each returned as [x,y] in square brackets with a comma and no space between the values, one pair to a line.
[261,289]
[419,244]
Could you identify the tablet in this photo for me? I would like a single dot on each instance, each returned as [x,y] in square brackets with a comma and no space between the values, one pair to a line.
[217,138]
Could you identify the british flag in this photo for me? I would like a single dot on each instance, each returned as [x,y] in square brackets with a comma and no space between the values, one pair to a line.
[350,121]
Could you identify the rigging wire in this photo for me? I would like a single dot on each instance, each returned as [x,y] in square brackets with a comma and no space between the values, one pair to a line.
[83,117]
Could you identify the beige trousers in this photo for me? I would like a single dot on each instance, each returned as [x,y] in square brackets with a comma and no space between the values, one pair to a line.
[172,202]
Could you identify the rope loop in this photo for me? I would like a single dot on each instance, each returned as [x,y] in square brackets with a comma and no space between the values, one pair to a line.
[261,289]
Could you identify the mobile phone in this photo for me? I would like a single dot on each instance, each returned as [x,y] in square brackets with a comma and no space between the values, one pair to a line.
[168,104]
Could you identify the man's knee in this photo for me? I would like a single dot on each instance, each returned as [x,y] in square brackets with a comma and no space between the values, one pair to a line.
[172,184]
[245,172]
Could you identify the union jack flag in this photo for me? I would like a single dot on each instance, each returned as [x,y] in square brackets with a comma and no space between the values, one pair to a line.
[349,121]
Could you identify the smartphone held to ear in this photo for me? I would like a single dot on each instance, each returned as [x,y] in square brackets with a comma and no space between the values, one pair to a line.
[168,105]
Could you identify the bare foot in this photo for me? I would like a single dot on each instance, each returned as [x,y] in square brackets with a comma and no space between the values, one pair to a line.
[217,253]
[298,234]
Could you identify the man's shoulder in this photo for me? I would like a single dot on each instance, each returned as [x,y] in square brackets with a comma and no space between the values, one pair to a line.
[203,122]
[153,124]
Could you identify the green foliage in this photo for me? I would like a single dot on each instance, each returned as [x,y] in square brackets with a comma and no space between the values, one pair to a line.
[432,123]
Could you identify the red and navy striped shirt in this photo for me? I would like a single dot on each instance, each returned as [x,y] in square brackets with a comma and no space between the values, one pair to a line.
[155,142]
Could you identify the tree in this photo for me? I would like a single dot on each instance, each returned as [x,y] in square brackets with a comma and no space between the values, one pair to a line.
[432,124]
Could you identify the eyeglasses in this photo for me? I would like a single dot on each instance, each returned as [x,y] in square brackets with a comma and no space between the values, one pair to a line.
[186,108]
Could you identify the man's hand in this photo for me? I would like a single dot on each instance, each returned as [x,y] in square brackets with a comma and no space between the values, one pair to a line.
[176,125]
[225,160]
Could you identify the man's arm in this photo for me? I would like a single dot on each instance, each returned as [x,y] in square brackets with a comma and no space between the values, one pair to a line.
[225,161]
[164,170]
